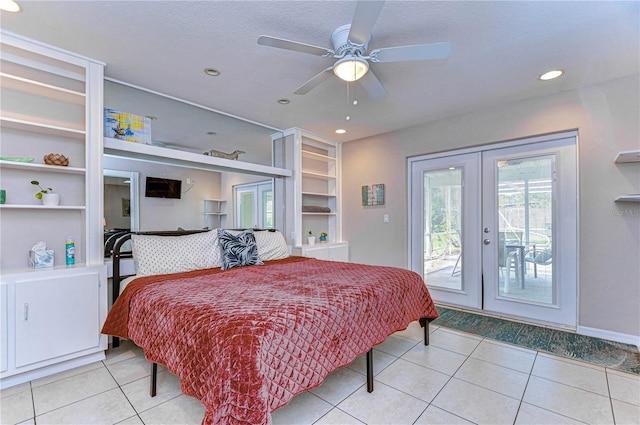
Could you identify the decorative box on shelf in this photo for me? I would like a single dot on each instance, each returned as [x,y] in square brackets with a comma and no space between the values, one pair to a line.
[125,126]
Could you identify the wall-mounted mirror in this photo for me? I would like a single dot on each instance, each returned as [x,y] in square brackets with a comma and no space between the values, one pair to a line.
[121,201]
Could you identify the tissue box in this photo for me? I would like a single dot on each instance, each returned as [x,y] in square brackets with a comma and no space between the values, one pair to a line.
[125,126]
[41,259]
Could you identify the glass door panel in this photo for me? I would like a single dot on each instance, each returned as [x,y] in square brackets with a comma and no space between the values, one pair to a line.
[443,231]
[525,228]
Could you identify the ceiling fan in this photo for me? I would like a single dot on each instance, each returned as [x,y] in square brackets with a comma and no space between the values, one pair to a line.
[350,44]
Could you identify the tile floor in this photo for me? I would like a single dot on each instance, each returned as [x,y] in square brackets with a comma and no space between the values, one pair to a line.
[459,378]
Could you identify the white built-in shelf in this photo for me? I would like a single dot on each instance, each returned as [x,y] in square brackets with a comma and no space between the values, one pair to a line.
[42,128]
[155,154]
[42,207]
[317,156]
[41,167]
[320,195]
[628,198]
[215,200]
[214,213]
[41,89]
[315,175]
[628,156]
[318,213]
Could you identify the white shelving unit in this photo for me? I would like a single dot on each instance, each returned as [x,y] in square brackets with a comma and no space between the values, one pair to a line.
[627,157]
[314,191]
[51,103]
[214,213]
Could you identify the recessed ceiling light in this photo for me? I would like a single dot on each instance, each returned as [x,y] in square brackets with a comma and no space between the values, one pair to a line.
[284,101]
[10,6]
[211,72]
[341,131]
[551,75]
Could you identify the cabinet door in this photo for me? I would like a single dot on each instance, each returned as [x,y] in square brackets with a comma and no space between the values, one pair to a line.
[319,252]
[4,329]
[56,316]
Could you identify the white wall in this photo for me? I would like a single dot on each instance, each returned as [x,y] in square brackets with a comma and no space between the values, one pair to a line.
[607,119]
[169,214]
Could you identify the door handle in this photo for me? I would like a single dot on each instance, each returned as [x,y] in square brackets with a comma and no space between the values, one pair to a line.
[487,241]
[26,311]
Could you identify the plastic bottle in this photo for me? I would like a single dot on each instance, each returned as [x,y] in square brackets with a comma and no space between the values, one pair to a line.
[70,251]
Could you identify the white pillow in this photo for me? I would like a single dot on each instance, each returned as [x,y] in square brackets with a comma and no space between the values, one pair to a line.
[154,254]
[271,245]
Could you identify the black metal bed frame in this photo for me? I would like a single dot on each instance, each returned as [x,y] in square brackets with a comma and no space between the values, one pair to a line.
[117,279]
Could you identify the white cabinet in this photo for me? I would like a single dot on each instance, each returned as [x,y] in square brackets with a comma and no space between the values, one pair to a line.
[338,251]
[313,193]
[52,320]
[52,103]
[214,213]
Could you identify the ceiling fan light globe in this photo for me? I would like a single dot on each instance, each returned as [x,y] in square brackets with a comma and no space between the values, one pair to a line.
[350,68]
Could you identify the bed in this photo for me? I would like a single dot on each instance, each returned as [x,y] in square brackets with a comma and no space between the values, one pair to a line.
[245,339]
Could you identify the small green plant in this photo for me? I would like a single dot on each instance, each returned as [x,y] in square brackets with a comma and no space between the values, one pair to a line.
[310,233]
[324,234]
[39,194]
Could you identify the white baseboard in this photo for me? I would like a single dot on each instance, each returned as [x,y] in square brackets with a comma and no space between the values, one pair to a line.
[610,335]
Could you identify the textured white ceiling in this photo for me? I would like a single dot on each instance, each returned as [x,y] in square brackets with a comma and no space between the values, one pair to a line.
[498,51]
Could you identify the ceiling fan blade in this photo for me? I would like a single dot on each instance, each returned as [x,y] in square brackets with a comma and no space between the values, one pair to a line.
[280,43]
[315,81]
[364,18]
[417,52]
[373,86]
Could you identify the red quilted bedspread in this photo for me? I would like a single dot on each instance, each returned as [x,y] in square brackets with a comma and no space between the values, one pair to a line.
[246,340]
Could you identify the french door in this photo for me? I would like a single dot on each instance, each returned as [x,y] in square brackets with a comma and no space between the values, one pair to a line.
[496,229]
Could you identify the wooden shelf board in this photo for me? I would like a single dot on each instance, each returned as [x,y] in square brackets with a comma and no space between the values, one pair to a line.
[318,156]
[317,175]
[41,89]
[42,207]
[324,195]
[628,156]
[41,128]
[628,198]
[41,167]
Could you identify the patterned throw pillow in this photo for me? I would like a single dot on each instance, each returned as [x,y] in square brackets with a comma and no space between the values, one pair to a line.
[153,254]
[238,250]
[271,245]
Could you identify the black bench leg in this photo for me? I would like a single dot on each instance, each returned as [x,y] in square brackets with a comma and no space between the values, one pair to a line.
[426,332]
[370,371]
[153,379]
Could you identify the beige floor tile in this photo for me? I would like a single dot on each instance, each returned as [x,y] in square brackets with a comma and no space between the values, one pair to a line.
[131,369]
[568,401]
[134,420]
[105,408]
[454,341]
[435,358]
[168,387]
[476,404]
[395,346]
[303,409]
[624,387]
[338,417]
[415,332]
[31,421]
[577,375]
[7,392]
[418,381]
[380,361]
[436,416]
[339,384]
[533,415]
[625,413]
[72,389]
[500,379]
[66,374]
[17,407]
[505,355]
[180,410]
[384,405]
[127,350]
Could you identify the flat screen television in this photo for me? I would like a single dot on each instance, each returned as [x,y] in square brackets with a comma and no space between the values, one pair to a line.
[163,188]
